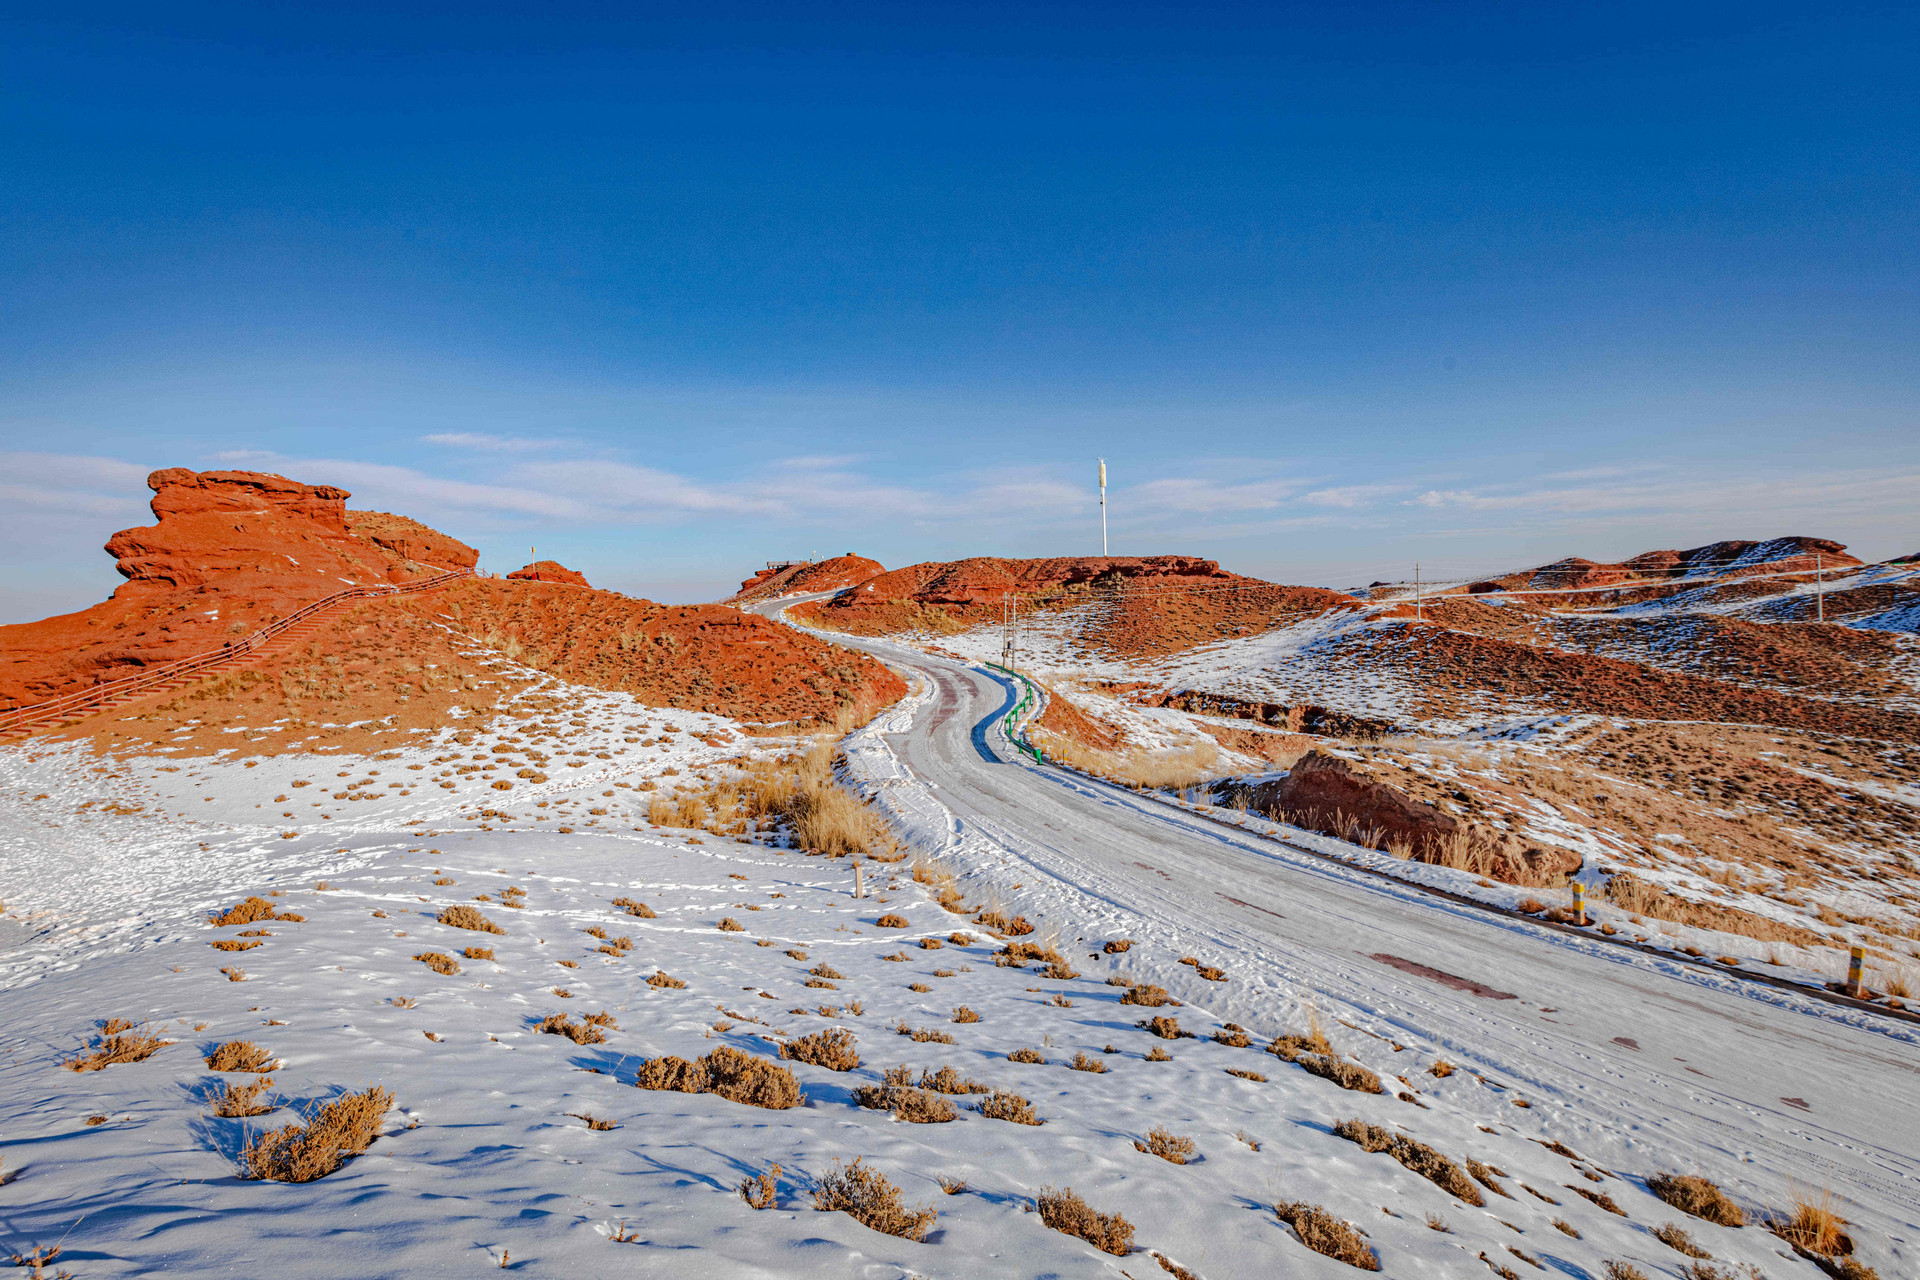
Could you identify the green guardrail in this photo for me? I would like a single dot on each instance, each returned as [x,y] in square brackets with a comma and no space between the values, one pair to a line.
[1028,700]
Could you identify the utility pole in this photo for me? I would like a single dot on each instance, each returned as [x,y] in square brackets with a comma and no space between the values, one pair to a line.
[1103,506]
[1009,628]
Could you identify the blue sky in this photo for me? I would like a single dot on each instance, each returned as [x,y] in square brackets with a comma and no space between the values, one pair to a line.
[1333,288]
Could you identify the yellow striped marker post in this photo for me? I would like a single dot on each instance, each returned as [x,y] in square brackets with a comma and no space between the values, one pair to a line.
[1856,961]
[1579,904]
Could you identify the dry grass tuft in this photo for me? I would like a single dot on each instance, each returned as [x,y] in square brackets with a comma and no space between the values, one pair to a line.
[947,1080]
[1566,1228]
[730,925]
[465,917]
[952,1186]
[1010,1107]
[661,978]
[632,908]
[824,970]
[440,962]
[303,1152]
[1416,1156]
[922,1036]
[1246,1075]
[240,1055]
[239,1100]
[1066,1212]
[1348,1075]
[734,1075]
[1148,995]
[233,944]
[1698,1196]
[1323,1233]
[1081,1062]
[1028,1056]
[832,1049]
[871,1200]
[897,1094]
[249,910]
[891,920]
[1441,1068]
[1812,1225]
[964,1014]
[119,1043]
[592,1121]
[759,1190]
[1675,1237]
[585,1032]
[1600,1198]
[1166,1028]
[479,953]
[1166,1144]
[1158,1054]
[1614,1269]
[1119,946]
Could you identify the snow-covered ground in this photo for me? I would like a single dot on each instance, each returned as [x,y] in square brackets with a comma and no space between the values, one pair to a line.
[485,1161]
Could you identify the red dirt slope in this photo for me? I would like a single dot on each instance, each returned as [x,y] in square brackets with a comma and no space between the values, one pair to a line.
[1736,556]
[229,552]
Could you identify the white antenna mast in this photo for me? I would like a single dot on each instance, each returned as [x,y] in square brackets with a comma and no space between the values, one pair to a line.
[1103,506]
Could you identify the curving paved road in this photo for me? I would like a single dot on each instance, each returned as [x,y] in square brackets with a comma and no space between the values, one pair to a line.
[1682,1060]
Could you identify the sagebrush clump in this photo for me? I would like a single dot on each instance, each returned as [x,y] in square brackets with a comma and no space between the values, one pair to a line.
[1323,1233]
[302,1152]
[1417,1156]
[833,1049]
[1697,1196]
[1065,1211]
[871,1200]
[734,1075]
[465,917]
[240,1055]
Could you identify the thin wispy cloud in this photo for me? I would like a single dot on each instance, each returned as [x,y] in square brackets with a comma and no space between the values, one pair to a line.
[491,443]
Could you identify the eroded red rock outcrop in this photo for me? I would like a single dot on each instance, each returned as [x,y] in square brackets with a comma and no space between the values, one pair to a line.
[229,551]
[549,571]
[1324,793]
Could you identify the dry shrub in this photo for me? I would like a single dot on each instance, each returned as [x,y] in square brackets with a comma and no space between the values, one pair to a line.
[235,974]
[1323,1233]
[1001,1105]
[1484,1175]
[1675,1237]
[661,978]
[1027,1055]
[947,1080]
[1600,1198]
[1066,1212]
[1812,1225]
[952,1186]
[1166,1144]
[960,939]
[1614,1269]
[759,1190]
[478,953]
[1158,1054]
[1644,899]
[592,1121]
[1232,1036]
[891,921]
[931,944]
[730,925]
[1441,1068]
[1416,1156]
[251,909]
[303,1152]
[238,1100]
[871,1200]
[824,970]
[1246,1075]
[1166,1028]
[233,944]
[1081,1062]
[1698,1196]
[821,984]
[922,1036]
[915,1106]
[558,1024]
[1118,946]
[832,1049]
[964,1014]
[440,962]
[465,917]
[734,1075]
[1147,994]
[632,908]
[240,1055]
[119,1043]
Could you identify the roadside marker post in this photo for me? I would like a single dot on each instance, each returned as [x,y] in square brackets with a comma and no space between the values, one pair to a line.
[859,885]
[1856,961]
[1579,904]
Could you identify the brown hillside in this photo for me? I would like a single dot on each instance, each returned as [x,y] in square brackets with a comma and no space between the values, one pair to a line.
[825,575]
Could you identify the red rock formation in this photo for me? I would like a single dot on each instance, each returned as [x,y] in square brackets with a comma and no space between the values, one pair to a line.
[826,575]
[984,579]
[229,552]
[549,571]
[1772,556]
[1324,793]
